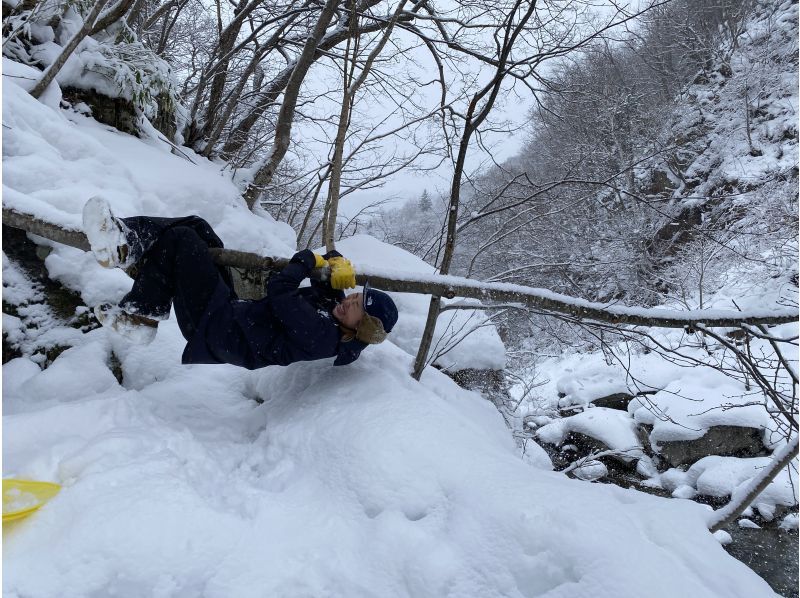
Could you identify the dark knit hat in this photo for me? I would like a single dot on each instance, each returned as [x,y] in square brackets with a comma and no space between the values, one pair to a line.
[380,317]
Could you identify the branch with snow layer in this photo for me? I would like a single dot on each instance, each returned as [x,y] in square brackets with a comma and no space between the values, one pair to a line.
[456,286]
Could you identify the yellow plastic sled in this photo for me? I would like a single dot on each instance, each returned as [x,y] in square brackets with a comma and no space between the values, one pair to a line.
[23,497]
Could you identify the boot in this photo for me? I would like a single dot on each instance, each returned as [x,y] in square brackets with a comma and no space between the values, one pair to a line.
[106,234]
[136,328]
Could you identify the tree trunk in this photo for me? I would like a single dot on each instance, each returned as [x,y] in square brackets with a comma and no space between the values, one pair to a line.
[238,136]
[112,16]
[351,86]
[227,39]
[283,128]
[471,124]
[334,187]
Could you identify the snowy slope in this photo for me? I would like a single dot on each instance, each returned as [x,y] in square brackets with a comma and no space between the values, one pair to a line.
[354,481]
[348,482]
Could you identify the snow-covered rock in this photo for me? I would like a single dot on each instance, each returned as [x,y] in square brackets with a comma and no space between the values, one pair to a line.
[612,428]
[694,402]
[722,477]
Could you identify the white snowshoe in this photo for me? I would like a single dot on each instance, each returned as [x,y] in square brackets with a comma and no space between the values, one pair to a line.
[106,234]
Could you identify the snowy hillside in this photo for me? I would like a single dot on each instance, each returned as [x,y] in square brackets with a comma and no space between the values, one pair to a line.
[297,481]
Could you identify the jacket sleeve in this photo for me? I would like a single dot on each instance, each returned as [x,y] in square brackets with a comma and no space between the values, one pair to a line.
[302,321]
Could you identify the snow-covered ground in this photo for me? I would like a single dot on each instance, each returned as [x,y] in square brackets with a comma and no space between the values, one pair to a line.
[348,482]
[299,481]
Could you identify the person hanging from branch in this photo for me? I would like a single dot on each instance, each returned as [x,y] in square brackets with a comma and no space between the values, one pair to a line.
[169,261]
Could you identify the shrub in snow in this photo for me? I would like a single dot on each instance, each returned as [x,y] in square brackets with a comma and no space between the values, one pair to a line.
[113,63]
[125,70]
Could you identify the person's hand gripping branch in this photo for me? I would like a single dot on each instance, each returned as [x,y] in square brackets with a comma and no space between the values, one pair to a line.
[343,275]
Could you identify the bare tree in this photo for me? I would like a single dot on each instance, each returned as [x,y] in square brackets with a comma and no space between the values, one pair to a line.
[283,127]
[520,49]
[351,84]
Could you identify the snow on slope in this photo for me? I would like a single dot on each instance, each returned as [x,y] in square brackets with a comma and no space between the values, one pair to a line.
[764,74]
[354,481]
[348,482]
[53,161]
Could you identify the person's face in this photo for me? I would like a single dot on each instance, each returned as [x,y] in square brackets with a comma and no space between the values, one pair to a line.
[350,311]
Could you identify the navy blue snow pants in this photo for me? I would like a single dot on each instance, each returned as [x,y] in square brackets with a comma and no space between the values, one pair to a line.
[173,268]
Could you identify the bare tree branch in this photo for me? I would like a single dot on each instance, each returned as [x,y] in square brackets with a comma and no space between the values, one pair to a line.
[453,286]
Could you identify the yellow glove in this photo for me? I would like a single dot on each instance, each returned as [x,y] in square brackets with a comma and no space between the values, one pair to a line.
[343,275]
[319,261]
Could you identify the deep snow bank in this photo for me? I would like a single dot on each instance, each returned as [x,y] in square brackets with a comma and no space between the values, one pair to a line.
[352,481]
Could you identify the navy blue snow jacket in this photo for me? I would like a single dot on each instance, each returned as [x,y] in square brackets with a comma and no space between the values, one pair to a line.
[289,324]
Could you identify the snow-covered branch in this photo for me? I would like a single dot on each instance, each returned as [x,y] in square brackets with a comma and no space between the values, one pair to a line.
[456,286]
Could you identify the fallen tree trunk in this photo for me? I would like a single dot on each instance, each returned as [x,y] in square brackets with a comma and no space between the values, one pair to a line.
[455,286]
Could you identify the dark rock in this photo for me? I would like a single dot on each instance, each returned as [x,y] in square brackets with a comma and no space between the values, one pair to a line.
[115,366]
[25,252]
[658,183]
[115,112]
[677,232]
[121,113]
[737,335]
[492,385]
[164,120]
[727,441]
[643,434]
[9,351]
[578,446]
[618,400]
[586,445]
[487,382]
[62,302]
[571,410]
